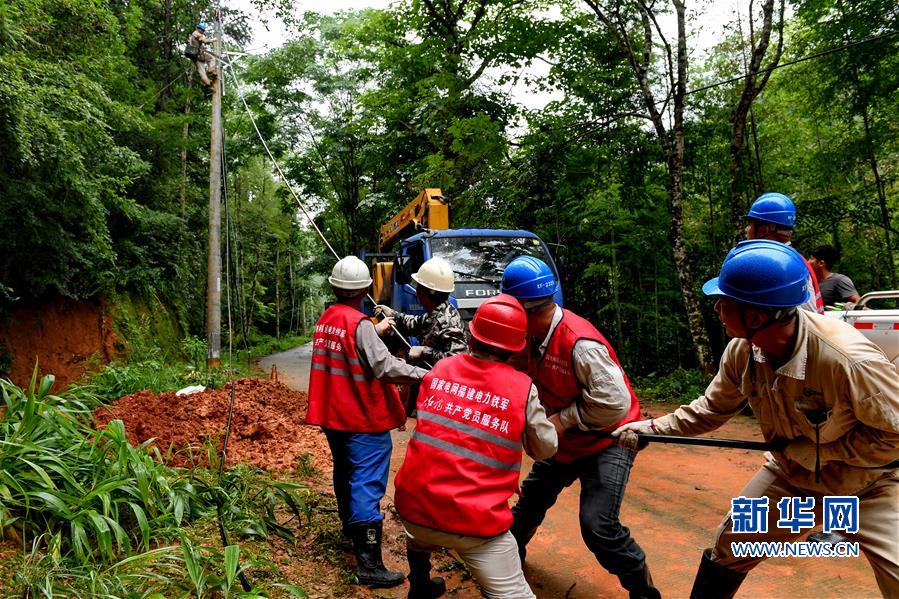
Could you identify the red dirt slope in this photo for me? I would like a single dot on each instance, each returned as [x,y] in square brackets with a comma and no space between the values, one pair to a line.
[62,335]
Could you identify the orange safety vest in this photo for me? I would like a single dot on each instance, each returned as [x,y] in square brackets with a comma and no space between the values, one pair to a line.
[559,387]
[342,396]
[464,458]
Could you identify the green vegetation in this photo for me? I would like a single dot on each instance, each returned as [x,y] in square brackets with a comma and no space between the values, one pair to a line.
[100,516]
[149,367]
[681,386]
[104,168]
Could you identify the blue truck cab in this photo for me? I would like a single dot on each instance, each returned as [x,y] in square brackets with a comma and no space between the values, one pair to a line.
[477,256]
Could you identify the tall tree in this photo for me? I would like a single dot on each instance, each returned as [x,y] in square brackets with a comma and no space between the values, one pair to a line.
[753,83]
[635,27]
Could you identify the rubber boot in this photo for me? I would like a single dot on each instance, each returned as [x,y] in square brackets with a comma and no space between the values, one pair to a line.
[714,581]
[639,584]
[421,585]
[370,568]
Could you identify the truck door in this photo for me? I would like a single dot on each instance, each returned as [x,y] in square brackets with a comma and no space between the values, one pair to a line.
[409,259]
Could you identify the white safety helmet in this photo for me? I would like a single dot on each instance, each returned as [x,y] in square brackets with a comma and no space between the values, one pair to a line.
[350,273]
[437,275]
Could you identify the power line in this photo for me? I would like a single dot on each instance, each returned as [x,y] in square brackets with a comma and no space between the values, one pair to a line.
[296,197]
[790,63]
[630,114]
[167,85]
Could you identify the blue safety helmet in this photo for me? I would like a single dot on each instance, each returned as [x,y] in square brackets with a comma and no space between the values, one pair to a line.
[763,273]
[774,208]
[527,277]
[201,26]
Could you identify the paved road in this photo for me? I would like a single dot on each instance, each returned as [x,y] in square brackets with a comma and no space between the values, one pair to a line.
[675,499]
[293,366]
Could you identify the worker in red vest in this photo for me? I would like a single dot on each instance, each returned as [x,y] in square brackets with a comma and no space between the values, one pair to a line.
[475,415]
[584,389]
[773,217]
[353,399]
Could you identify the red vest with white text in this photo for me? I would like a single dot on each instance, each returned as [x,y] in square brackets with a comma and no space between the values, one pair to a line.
[819,299]
[559,387]
[341,395]
[464,458]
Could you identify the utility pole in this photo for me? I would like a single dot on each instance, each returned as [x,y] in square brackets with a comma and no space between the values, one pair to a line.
[214,257]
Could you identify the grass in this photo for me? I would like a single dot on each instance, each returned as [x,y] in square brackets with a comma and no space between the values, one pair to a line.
[95,516]
[680,386]
[149,367]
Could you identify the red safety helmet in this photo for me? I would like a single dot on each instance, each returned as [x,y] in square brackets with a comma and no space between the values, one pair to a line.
[500,322]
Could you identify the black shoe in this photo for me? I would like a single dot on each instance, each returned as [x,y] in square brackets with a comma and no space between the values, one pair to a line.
[522,537]
[370,568]
[421,585]
[714,581]
[639,584]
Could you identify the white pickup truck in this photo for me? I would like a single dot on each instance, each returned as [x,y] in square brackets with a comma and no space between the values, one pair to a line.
[880,325]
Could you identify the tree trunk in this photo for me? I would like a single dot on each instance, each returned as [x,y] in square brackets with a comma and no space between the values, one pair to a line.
[293,304]
[672,144]
[701,344]
[881,196]
[167,44]
[692,304]
[751,88]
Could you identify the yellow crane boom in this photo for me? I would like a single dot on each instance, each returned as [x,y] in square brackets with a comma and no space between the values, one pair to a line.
[427,210]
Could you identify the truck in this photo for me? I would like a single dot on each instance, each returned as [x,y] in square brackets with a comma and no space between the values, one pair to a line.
[477,256]
[879,323]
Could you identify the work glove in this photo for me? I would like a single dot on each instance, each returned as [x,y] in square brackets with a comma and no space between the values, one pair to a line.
[802,451]
[626,434]
[385,310]
[417,352]
[384,326]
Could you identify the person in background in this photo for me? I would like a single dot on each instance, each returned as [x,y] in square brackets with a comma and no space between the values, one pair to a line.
[475,415]
[197,40]
[440,329]
[353,398]
[773,216]
[835,287]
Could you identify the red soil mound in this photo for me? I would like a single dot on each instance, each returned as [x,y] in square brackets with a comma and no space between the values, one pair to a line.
[267,429]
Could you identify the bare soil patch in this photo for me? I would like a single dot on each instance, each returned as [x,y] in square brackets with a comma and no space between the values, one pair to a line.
[267,429]
[61,335]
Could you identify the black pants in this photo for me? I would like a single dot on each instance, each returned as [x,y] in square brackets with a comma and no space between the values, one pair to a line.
[603,477]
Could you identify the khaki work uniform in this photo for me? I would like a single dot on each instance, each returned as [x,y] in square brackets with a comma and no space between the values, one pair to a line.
[834,370]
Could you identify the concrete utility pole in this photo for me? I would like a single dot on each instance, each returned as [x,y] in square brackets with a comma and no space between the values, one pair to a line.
[214,257]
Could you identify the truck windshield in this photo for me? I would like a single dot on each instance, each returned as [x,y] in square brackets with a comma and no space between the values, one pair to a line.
[479,258]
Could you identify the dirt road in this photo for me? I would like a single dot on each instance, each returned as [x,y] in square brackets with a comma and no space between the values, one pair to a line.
[675,499]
